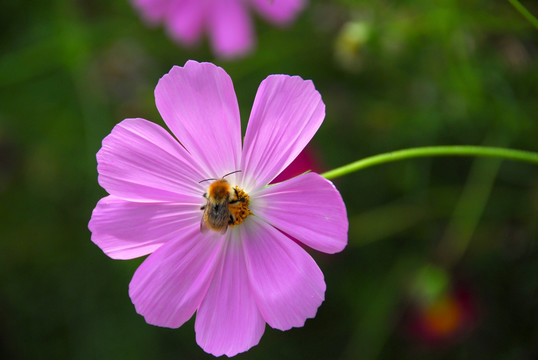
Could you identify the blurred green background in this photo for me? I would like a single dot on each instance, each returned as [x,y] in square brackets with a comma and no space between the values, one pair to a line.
[442,260]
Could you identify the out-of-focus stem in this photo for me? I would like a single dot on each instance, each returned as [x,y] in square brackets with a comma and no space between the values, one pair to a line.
[523,11]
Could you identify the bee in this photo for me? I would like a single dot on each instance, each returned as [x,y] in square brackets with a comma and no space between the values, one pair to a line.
[217,215]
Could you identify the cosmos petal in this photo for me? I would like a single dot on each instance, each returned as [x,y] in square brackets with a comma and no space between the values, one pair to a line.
[126,229]
[228,321]
[198,104]
[279,11]
[230,28]
[308,208]
[287,283]
[140,161]
[170,284]
[186,19]
[152,11]
[286,114]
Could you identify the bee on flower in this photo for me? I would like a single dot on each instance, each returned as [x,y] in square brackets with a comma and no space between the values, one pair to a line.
[221,242]
[226,206]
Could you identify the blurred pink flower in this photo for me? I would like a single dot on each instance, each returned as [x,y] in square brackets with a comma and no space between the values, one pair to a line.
[253,273]
[227,22]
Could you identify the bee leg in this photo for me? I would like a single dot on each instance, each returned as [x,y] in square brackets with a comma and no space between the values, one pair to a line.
[204,206]
[231,221]
[237,198]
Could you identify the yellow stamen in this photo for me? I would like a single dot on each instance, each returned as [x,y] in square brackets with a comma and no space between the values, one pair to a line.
[239,209]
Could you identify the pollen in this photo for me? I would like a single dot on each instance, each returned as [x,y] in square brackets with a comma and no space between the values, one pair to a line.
[239,209]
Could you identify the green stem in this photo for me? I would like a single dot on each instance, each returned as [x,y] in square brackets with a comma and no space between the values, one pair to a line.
[454,150]
[523,11]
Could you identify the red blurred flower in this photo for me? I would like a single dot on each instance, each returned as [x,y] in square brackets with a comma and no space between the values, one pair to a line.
[444,319]
[308,160]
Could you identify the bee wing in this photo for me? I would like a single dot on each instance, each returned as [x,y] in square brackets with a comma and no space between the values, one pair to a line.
[203,226]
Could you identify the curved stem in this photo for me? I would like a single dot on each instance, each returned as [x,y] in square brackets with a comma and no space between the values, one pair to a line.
[523,11]
[454,150]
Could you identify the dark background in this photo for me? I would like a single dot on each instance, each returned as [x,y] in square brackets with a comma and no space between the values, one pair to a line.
[450,240]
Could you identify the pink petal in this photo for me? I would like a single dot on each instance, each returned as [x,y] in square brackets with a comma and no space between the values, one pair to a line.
[230,28]
[286,282]
[185,20]
[170,284]
[139,160]
[198,104]
[286,114]
[308,208]
[279,11]
[126,230]
[152,10]
[228,321]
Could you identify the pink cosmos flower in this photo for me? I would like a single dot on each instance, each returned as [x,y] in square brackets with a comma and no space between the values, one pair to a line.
[227,21]
[253,273]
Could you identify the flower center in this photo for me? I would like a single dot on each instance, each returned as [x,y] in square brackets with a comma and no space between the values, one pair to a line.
[239,207]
